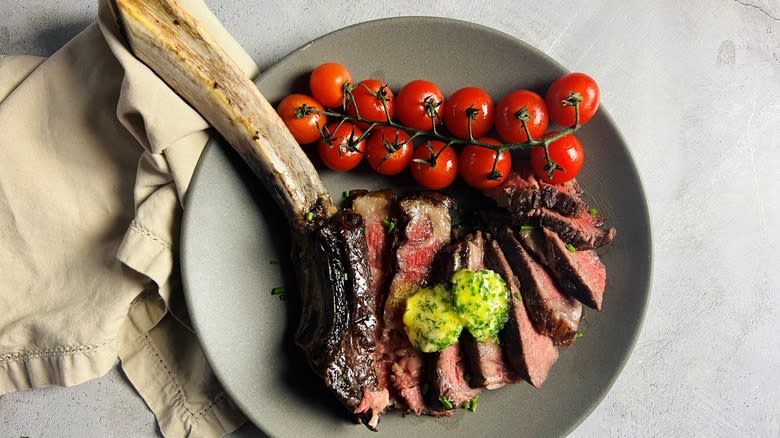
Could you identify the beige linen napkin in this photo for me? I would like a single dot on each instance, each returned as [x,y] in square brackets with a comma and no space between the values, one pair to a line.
[96,154]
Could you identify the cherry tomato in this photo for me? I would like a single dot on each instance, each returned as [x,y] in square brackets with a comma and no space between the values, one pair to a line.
[439,174]
[368,95]
[476,165]
[389,150]
[469,102]
[340,151]
[566,152]
[581,84]
[417,101]
[509,126]
[327,83]
[303,117]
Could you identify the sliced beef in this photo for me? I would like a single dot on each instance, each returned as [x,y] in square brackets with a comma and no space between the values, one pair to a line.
[580,273]
[339,325]
[378,210]
[585,231]
[521,193]
[447,379]
[552,313]
[486,363]
[484,360]
[529,354]
[426,226]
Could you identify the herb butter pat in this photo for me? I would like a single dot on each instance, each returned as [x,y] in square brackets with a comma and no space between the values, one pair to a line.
[481,301]
[430,320]
[435,316]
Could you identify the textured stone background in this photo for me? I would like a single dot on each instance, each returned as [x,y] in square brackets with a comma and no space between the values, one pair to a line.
[695,89]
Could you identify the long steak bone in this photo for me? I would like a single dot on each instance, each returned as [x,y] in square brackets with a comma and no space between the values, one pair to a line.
[171,42]
[340,328]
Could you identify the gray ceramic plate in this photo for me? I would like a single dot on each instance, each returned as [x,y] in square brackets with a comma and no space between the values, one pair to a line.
[232,232]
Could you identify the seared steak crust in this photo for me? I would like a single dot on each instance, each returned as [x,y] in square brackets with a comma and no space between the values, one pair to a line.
[339,321]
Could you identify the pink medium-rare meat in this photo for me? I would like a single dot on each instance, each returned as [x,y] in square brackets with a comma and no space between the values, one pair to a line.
[529,354]
[580,273]
[552,313]
[447,379]
[378,211]
[426,226]
[586,231]
[484,360]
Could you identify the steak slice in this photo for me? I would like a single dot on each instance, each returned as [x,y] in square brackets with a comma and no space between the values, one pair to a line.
[338,328]
[521,193]
[580,273]
[448,380]
[426,225]
[378,209]
[484,360]
[585,231]
[529,354]
[552,313]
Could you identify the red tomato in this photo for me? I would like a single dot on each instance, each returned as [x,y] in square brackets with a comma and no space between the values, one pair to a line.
[438,174]
[469,102]
[584,86]
[509,126]
[303,117]
[368,96]
[340,151]
[476,165]
[417,102]
[389,150]
[566,152]
[327,83]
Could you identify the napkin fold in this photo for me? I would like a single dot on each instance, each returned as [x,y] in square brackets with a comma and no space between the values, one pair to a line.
[96,154]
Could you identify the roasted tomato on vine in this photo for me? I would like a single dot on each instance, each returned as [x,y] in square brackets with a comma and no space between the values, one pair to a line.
[420,105]
[303,116]
[564,91]
[327,83]
[476,165]
[517,106]
[374,101]
[389,150]
[340,150]
[566,153]
[469,105]
[434,173]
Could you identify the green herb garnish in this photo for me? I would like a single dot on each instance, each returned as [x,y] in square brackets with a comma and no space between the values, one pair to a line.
[571,247]
[445,402]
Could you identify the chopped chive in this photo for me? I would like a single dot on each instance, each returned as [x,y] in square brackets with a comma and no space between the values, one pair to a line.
[343,377]
[279,292]
[345,194]
[346,276]
[518,296]
[425,388]
[309,216]
[526,228]
[445,402]
[579,335]
[571,247]
[471,405]
[390,225]
[593,212]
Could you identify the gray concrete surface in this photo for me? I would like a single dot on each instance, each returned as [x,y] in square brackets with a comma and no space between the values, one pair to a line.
[694,88]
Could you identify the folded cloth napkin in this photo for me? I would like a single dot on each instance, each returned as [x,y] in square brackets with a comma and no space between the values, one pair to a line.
[96,154]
